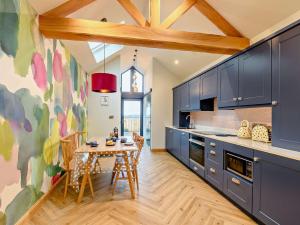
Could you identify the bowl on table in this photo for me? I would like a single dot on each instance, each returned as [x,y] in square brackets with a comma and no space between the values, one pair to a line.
[123,140]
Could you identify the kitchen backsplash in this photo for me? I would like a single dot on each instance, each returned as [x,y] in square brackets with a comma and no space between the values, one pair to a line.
[231,119]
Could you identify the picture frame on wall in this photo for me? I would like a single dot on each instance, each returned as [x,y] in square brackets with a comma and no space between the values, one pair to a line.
[104,100]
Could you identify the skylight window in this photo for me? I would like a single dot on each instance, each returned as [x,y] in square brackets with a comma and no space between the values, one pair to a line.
[97,49]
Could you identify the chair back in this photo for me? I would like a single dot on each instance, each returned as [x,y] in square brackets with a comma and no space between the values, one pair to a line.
[140,144]
[69,144]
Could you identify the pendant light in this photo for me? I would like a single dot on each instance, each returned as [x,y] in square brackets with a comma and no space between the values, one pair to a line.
[104,82]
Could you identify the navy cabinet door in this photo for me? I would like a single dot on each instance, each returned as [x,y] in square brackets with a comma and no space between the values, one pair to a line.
[286,90]
[169,140]
[255,76]
[185,97]
[194,92]
[184,148]
[176,106]
[276,189]
[209,84]
[176,143]
[228,83]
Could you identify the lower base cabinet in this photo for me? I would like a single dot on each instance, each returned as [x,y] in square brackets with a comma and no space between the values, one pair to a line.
[197,168]
[239,190]
[276,189]
[177,143]
[214,174]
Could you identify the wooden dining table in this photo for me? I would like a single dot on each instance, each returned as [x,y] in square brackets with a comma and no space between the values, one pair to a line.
[103,150]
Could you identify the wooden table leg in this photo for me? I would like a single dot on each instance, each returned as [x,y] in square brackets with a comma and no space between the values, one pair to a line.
[129,175]
[84,179]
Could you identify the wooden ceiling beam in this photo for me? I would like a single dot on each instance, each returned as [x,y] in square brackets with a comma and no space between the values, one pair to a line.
[216,18]
[68,8]
[177,13]
[134,12]
[154,13]
[87,30]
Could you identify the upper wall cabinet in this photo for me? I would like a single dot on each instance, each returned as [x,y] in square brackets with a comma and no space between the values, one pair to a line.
[176,106]
[286,90]
[209,84]
[246,79]
[228,83]
[185,97]
[194,87]
[255,76]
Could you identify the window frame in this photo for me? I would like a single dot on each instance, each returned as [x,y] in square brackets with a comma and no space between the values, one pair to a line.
[132,94]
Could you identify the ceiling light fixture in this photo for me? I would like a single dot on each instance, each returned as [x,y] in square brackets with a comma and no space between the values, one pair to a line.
[104,82]
[176,62]
[122,22]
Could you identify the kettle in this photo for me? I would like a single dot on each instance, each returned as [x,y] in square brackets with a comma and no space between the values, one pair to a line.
[244,131]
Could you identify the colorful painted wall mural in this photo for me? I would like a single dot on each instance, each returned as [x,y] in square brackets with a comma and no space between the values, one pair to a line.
[43,96]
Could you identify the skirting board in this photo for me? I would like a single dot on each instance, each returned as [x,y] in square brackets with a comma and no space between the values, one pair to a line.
[158,150]
[23,220]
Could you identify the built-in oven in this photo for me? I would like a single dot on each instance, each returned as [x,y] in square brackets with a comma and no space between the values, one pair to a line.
[239,165]
[197,150]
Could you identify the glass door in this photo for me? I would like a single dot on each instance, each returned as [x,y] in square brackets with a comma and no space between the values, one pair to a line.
[147,120]
[132,117]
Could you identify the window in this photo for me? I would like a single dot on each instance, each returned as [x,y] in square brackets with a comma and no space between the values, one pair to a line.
[97,49]
[132,81]
[132,102]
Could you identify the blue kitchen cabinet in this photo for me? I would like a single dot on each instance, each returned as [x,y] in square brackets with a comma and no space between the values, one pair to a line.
[209,84]
[176,143]
[238,189]
[276,189]
[228,83]
[176,106]
[286,90]
[185,97]
[169,139]
[255,76]
[184,148]
[194,92]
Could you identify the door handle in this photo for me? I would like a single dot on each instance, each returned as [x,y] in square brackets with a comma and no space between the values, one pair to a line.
[234,99]
[274,103]
[212,144]
[256,159]
[240,98]
[195,168]
[212,152]
[212,170]
[235,181]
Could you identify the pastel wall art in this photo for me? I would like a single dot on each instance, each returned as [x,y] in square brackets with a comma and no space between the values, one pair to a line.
[43,96]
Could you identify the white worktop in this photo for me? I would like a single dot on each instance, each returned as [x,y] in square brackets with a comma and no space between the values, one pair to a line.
[248,143]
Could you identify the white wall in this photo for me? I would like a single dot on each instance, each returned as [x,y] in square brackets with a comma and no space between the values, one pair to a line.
[99,123]
[162,103]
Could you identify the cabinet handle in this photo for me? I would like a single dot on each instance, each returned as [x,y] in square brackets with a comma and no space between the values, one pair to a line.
[235,181]
[274,103]
[240,98]
[212,144]
[195,168]
[234,99]
[212,170]
[212,152]
[256,159]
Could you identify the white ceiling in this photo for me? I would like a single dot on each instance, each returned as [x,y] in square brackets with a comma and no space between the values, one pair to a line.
[250,17]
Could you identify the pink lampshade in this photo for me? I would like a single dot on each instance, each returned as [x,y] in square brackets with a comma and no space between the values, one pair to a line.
[104,82]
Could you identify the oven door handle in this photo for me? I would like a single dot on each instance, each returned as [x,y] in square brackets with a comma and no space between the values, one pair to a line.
[197,142]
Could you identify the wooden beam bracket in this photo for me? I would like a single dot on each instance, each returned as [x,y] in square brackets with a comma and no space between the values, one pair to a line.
[134,12]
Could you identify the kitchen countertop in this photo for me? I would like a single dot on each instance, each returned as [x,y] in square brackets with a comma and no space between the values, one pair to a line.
[248,143]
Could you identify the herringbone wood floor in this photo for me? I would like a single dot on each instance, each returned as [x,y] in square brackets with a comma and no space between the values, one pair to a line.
[169,194]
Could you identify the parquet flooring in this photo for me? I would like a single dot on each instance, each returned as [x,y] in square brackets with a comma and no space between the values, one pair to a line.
[169,194]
